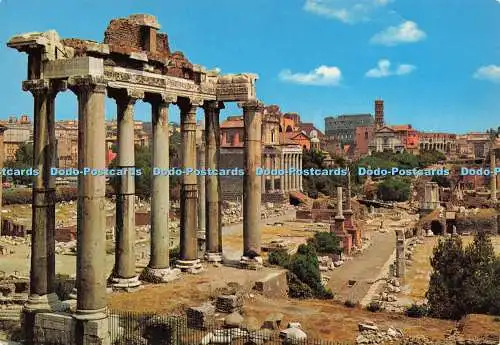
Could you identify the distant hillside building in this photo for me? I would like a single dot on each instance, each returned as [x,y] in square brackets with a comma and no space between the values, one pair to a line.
[343,127]
[282,145]
[18,132]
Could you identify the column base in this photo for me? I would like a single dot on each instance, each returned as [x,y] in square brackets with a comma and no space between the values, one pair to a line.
[89,315]
[45,304]
[251,264]
[160,275]
[125,284]
[189,266]
[213,257]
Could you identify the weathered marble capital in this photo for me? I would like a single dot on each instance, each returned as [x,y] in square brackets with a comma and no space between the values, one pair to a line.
[252,105]
[157,98]
[211,106]
[44,86]
[87,84]
[125,96]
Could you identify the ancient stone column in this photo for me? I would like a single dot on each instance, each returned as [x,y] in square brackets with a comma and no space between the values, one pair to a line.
[91,223]
[158,269]
[189,261]
[201,236]
[124,276]
[2,157]
[252,115]
[263,163]
[273,167]
[285,176]
[339,217]
[42,273]
[301,177]
[296,176]
[493,180]
[269,165]
[400,254]
[213,241]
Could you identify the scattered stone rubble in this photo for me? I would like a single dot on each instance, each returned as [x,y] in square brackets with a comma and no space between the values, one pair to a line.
[232,211]
[371,334]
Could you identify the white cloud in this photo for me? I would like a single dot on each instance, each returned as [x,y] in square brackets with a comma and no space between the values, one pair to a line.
[347,11]
[490,72]
[383,69]
[406,32]
[321,76]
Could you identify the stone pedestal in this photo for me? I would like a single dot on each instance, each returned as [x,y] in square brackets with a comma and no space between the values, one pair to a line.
[125,284]
[251,263]
[63,328]
[160,275]
[189,266]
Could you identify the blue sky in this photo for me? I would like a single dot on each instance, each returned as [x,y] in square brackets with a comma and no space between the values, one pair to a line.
[436,63]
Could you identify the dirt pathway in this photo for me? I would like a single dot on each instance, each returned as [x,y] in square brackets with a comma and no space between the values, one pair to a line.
[362,268]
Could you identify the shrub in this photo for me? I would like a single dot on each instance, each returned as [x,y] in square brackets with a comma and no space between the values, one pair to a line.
[394,189]
[174,255]
[25,195]
[298,289]
[279,257]
[325,243]
[417,311]
[374,307]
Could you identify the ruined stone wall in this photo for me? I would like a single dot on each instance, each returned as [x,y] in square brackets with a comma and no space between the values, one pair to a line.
[9,228]
[232,186]
[66,234]
[124,36]
[468,224]
[275,285]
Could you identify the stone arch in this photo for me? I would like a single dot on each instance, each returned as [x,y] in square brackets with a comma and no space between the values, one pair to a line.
[289,129]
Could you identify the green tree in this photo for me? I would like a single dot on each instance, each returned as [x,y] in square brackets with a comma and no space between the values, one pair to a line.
[444,294]
[305,267]
[479,260]
[464,281]
[394,189]
[23,160]
[325,243]
[427,158]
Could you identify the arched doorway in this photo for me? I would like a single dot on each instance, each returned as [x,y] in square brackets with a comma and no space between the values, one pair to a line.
[436,227]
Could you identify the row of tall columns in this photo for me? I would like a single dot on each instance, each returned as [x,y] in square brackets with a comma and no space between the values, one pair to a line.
[270,162]
[91,237]
[291,182]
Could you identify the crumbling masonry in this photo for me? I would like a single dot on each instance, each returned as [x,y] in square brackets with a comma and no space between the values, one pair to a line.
[133,63]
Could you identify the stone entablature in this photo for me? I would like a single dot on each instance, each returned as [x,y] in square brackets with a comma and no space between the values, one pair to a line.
[53,58]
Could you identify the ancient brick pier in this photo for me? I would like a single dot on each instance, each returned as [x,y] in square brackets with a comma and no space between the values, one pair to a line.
[133,63]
